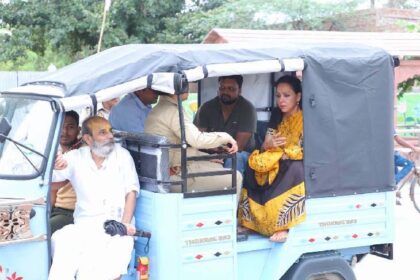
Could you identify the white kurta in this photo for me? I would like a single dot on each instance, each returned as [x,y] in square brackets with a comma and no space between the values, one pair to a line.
[84,249]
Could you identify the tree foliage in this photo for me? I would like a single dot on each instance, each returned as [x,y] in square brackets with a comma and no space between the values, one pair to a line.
[407,85]
[60,32]
[192,26]
[70,28]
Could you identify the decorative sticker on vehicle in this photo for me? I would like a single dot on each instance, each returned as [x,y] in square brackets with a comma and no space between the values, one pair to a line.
[4,274]
[14,222]
[210,239]
[337,223]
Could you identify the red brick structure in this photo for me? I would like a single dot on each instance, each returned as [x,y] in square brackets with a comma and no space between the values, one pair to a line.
[374,20]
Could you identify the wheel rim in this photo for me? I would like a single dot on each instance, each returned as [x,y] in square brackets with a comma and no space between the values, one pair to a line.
[415,193]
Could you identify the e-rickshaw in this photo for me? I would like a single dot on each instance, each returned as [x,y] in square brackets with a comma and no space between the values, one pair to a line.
[348,161]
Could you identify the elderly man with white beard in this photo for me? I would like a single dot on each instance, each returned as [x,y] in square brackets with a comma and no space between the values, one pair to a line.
[104,178]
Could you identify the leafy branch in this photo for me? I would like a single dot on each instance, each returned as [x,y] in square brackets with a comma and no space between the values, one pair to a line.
[407,85]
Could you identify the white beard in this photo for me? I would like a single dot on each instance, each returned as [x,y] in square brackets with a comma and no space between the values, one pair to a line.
[102,149]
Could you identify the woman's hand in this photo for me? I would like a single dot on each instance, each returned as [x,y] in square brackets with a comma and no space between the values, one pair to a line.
[273,141]
[278,140]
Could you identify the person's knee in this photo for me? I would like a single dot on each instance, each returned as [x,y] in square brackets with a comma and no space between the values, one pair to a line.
[241,161]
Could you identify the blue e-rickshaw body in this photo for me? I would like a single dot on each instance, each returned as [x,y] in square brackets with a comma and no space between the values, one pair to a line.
[348,124]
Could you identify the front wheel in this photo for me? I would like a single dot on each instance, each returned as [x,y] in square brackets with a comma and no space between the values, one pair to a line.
[415,193]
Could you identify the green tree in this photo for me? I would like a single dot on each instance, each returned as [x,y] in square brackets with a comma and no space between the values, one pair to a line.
[192,25]
[69,30]
[407,85]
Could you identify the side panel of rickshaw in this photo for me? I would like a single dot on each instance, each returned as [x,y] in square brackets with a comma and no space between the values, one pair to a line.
[358,222]
[189,239]
[14,255]
[191,235]
[27,255]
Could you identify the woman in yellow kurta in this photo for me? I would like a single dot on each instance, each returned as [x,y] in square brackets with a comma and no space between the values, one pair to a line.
[273,195]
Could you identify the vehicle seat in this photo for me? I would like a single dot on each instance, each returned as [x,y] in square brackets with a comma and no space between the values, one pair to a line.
[151,160]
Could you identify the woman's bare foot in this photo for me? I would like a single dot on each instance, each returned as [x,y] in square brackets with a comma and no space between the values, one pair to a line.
[280,236]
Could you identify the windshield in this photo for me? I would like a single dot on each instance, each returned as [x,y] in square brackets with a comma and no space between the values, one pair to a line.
[23,144]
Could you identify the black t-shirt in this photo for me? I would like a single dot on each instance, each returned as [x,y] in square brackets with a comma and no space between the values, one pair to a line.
[242,119]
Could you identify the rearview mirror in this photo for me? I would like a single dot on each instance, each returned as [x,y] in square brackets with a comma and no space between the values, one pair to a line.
[5,128]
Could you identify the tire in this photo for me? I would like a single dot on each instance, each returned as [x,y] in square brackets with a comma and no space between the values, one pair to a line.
[328,265]
[326,276]
[415,193]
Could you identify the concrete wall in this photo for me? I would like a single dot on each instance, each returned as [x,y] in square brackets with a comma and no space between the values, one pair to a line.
[374,20]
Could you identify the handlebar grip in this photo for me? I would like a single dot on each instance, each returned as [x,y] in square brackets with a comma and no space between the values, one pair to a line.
[141,233]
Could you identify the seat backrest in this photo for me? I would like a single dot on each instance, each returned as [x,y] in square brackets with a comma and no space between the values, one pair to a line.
[151,160]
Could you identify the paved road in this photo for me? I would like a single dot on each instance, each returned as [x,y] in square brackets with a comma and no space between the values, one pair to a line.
[406,263]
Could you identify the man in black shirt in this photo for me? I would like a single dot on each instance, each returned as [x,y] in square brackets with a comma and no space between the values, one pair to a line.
[230,112]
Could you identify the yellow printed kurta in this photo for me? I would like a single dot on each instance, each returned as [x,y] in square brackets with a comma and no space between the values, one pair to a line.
[273,198]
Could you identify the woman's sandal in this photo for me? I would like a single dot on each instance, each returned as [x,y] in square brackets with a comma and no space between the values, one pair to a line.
[280,236]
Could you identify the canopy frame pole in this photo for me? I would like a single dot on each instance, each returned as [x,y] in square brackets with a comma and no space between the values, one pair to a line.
[184,145]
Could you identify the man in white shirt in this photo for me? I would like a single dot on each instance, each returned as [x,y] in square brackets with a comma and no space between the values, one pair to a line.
[104,178]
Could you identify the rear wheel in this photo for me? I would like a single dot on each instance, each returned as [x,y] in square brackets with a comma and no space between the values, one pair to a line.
[328,265]
[415,193]
[326,276]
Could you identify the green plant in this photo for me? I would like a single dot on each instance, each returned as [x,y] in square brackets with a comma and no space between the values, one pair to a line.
[407,85]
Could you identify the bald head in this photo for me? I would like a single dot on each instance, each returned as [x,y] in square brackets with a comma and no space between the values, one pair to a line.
[97,134]
[94,123]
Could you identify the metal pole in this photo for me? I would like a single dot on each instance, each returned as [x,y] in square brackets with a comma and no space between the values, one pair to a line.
[183,144]
[107,5]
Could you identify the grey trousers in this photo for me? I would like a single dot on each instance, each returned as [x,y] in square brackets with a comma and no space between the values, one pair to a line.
[60,217]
